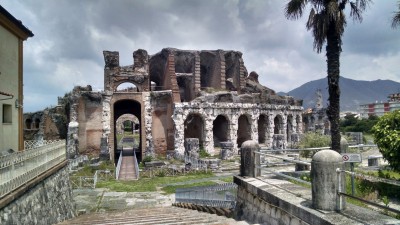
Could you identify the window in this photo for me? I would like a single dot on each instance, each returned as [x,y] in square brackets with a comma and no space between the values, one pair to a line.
[7,113]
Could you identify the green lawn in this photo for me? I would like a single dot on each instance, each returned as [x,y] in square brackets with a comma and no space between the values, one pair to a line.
[151,184]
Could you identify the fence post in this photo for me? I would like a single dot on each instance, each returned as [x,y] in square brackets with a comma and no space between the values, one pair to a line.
[250,161]
[325,181]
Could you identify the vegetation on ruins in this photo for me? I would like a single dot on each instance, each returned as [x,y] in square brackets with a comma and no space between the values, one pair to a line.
[313,140]
[352,124]
[396,18]
[327,21]
[387,136]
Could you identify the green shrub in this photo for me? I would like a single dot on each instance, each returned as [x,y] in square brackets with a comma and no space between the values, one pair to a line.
[147,158]
[313,140]
[387,136]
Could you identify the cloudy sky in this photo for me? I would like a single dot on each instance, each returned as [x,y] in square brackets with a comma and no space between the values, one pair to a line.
[70,36]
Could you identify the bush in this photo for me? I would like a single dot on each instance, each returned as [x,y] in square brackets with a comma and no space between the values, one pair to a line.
[147,158]
[313,140]
[386,134]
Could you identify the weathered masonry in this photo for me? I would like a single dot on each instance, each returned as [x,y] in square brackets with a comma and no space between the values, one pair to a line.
[177,94]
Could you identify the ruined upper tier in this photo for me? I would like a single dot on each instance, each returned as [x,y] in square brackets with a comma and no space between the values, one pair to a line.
[191,75]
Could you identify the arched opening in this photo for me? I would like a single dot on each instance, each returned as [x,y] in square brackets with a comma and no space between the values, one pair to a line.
[28,124]
[244,130]
[262,129]
[220,130]
[194,127]
[37,124]
[127,112]
[278,125]
[126,87]
[127,137]
[289,128]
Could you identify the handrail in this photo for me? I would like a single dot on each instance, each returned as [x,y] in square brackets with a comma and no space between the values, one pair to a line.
[117,170]
[340,193]
[19,168]
[221,195]
[136,165]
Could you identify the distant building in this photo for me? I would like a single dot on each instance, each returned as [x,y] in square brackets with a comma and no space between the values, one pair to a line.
[12,35]
[315,119]
[380,108]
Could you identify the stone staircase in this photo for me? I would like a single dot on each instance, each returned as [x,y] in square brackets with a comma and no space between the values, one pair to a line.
[162,215]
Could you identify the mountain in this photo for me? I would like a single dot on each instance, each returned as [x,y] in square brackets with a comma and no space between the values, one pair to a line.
[353,92]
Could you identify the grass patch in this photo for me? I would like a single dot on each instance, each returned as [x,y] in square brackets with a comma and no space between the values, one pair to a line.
[170,189]
[227,179]
[149,184]
[88,170]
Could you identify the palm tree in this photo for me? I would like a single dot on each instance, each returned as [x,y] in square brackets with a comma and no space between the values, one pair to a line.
[327,21]
[396,18]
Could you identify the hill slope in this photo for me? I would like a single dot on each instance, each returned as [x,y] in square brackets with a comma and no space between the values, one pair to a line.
[353,92]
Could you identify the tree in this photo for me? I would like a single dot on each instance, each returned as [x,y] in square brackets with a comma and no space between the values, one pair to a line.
[387,136]
[327,21]
[396,18]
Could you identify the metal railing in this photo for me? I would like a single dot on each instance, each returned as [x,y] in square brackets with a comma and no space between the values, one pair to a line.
[221,195]
[31,144]
[342,194]
[118,168]
[136,165]
[18,168]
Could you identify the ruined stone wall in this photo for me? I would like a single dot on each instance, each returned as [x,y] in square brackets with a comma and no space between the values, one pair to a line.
[232,111]
[49,124]
[90,126]
[49,202]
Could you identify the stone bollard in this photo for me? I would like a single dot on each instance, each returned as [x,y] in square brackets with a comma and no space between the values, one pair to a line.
[325,180]
[249,159]
[226,150]
[344,145]
[192,148]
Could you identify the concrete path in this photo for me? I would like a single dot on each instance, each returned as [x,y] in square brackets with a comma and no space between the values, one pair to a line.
[128,170]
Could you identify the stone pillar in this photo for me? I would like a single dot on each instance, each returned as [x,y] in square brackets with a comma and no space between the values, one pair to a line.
[249,159]
[104,153]
[192,147]
[72,140]
[227,150]
[325,180]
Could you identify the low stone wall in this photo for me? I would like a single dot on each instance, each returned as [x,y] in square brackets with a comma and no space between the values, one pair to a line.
[48,202]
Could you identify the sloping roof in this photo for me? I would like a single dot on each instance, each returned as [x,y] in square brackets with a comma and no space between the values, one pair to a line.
[22,31]
[6,94]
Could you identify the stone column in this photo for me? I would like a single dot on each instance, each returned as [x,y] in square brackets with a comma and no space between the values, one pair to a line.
[249,159]
[325,180]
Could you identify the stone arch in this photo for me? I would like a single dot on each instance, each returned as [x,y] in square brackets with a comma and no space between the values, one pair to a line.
[120,108]
[244,129]
[262,128]
[126,87]
[221,130]
[28,123]
[194,127]
[278,121]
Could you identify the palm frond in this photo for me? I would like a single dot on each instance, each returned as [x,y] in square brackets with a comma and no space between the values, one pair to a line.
[294,9]
[396,19]
[357,8]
